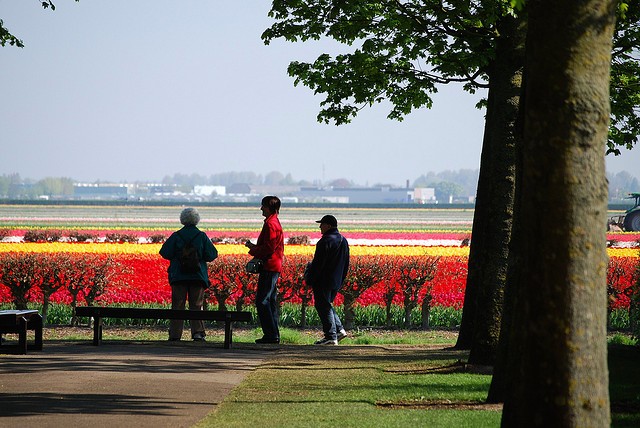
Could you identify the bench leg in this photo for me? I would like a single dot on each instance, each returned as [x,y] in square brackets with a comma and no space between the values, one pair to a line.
[22,336]
[228,333]
[35,324]
[97,331]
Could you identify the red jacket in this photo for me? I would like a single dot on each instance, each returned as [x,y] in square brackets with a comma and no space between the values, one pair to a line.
[270,245]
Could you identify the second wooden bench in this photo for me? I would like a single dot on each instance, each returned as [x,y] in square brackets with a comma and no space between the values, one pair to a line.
[98,313]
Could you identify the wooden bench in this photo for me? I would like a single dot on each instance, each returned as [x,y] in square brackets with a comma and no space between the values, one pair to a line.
[20,321]
[98,313]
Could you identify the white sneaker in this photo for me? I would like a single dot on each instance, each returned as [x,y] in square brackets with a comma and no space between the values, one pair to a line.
[327,342]
[342,334]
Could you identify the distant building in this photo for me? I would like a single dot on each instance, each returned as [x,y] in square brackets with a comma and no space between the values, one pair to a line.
[356,195]
[210,190]
[242,192]
[424,195]
[102,191]
[239,189]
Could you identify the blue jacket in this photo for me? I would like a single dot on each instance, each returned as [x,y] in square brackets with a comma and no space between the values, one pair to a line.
[206,252]
[330,264]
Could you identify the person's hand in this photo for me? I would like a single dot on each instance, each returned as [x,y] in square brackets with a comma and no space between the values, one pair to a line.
[249,244]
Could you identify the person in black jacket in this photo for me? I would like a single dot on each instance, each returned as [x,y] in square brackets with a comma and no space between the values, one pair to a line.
[189,282]
[326,274]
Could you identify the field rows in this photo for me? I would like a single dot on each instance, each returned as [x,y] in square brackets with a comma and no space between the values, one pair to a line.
[392,238]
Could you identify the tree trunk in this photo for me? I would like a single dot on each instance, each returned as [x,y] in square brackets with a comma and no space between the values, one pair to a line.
[559,375]
[426,311]
[502,116]
[388,305]
[74,304]
[491,232]
[19,293]
[45,308]
[476,251]
[497,390]
[407,315]
[303,315]
[349,313]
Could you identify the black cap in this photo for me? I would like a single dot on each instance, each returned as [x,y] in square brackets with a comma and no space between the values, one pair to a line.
[328,219]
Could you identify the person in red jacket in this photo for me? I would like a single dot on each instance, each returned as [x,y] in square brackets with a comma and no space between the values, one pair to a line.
[270,249]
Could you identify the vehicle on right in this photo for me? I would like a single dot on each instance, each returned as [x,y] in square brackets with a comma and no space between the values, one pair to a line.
[630,221]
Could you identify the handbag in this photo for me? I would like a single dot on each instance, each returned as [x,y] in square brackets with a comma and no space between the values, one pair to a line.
[307,274]
[255,265]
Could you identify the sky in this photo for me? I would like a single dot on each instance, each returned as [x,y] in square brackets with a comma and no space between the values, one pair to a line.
[137,90]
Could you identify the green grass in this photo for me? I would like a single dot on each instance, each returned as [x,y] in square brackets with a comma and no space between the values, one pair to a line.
[376,377]
[358,386]
[390,386]
[366,317]
[624,385]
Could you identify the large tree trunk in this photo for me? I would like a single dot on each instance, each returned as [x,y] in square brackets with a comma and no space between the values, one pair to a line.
[491,232]
[502,115]
[497,390]
[559,375]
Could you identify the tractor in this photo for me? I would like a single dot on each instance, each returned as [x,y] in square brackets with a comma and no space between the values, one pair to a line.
[630,221]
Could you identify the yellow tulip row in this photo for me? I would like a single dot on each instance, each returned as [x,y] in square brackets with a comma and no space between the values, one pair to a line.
[110,248]
[356,250]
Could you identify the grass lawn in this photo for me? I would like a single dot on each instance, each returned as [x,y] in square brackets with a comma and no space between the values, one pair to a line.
[360,386]
[374,378]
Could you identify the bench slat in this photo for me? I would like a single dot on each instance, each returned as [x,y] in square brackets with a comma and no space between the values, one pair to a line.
[152,313]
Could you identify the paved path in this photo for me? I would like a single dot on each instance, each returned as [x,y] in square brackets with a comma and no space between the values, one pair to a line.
[120,384]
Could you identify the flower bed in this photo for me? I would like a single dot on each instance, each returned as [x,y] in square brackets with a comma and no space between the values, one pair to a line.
[390,248]
[142,272]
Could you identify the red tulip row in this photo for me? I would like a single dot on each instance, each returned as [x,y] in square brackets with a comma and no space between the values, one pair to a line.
[141,278]
[622,281]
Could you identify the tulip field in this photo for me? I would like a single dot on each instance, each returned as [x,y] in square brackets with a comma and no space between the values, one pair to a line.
[407,258]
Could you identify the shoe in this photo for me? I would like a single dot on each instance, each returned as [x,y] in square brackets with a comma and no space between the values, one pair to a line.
[198,337]
[267,340]
[174,339]
[342,334]
[326,341]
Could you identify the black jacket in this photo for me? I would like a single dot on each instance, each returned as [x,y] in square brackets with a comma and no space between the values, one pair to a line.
[330,262]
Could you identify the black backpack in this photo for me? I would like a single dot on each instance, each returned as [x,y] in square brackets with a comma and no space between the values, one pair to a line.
[188,256]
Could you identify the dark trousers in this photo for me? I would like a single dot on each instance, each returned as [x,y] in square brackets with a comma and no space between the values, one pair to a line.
[323,300]
[179,292]
[267,305]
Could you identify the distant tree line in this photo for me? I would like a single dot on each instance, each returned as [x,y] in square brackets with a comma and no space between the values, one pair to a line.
[450,183]
[460,183]
[621,184]
[13,186]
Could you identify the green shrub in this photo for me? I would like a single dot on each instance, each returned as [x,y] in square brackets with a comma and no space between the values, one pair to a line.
[621,339]
[619,319]
[290,316]
[373,316]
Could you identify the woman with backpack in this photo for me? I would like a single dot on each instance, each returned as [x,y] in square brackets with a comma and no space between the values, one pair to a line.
[188,249]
